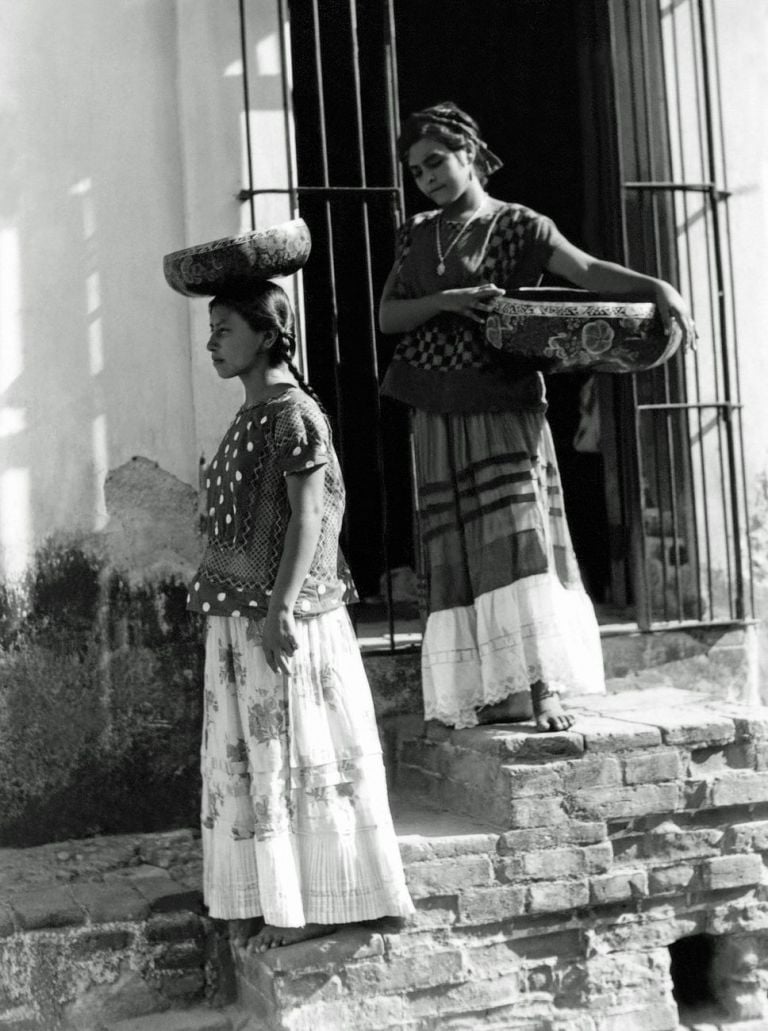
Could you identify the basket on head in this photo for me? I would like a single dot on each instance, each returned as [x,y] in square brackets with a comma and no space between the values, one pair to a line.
[234,263]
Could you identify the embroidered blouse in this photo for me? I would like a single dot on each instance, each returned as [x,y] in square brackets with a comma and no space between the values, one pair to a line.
[248,511]
[442,365]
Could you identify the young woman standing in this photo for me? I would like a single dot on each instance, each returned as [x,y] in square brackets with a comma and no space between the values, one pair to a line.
[507,612]
[296,827]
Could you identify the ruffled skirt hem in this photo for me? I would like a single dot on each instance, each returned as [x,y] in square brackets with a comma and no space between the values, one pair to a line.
[532,630]
[232,889]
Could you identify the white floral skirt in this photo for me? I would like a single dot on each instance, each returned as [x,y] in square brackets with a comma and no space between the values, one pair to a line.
[295,816]
[505,602]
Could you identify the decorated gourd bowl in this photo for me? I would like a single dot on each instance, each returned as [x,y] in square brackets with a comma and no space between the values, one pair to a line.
[564,330]
[234,263]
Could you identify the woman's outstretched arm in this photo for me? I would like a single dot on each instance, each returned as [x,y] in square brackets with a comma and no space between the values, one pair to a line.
[607,277]
[399,315]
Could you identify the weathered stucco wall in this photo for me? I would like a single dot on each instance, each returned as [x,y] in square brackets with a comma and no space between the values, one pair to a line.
[93,349]
[743,33]
[122,139]
[736,37]
[215,161]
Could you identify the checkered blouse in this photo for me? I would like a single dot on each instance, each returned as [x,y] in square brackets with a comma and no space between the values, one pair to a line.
[248,511]
[442,365]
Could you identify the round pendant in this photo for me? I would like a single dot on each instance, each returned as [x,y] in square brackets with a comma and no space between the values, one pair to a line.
[441,269]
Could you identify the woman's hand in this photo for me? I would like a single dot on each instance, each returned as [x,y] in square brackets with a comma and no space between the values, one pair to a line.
[673,310]
[470,301]
[278,639]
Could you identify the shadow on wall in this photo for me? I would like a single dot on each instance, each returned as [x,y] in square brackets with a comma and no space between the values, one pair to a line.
[101,673]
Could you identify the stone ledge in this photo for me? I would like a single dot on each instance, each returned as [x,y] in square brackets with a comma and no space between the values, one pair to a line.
[81,902]
[179,1020]
[54,906]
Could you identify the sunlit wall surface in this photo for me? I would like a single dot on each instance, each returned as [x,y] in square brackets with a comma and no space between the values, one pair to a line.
[215,154]
[122,138]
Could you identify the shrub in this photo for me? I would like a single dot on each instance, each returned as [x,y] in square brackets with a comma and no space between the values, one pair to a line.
[100,703]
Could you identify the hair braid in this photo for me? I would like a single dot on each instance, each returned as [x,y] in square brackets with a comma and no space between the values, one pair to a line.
[282,351]
[305,386]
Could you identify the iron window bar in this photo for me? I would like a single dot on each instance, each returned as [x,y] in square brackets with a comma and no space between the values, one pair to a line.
[672,405]
[245,195]
[660,184]
[327,194]
[715,195]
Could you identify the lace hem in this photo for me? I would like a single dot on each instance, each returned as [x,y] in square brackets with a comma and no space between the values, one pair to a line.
[532,630]
[465,716]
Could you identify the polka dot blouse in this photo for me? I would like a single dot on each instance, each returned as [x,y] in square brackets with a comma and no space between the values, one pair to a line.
[247,511]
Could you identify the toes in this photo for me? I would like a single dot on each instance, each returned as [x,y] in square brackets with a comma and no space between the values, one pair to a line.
[553,723]
[261,942]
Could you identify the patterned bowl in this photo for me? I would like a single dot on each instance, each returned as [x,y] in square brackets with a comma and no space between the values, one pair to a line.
[565,330]
[236,262]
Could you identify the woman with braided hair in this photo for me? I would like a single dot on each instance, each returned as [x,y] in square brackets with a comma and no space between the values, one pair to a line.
[507,614]
[296,829]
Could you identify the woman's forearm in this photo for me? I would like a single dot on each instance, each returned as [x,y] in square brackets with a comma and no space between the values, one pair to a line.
[400,316]
[471,302]
[607,277]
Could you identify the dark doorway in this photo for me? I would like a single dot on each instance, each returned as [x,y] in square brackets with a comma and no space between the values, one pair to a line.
[515,66]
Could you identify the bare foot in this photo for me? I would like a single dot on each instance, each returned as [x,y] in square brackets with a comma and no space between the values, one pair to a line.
[508,710]
[241,931]
[548,709]
[272,937]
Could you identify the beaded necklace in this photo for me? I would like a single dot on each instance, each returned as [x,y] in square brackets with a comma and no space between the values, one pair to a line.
[442,255]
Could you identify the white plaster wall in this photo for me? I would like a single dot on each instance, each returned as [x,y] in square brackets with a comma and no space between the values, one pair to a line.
[94,351]
[215,161]
[743,31]
[742,27]
[121,139]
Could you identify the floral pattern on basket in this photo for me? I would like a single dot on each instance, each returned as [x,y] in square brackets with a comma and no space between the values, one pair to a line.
[561,335]
[234,262]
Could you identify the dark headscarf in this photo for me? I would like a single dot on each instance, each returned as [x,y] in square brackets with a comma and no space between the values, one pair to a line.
[449,124]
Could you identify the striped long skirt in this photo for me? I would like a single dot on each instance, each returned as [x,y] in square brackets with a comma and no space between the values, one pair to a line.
[295,817]
[505,603]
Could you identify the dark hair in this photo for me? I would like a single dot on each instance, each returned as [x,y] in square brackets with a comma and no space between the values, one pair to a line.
[448,124]
[445,122]
[266,306]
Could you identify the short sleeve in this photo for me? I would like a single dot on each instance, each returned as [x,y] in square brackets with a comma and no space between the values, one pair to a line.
[302,438]
[541,238]
[526,242]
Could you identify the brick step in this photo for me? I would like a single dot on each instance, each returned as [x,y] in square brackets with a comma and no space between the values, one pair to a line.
[489,947]
[552,910]
[626,755]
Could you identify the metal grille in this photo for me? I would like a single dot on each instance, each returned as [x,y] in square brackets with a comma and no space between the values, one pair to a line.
[683,441]
[680,505]
[344,90]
